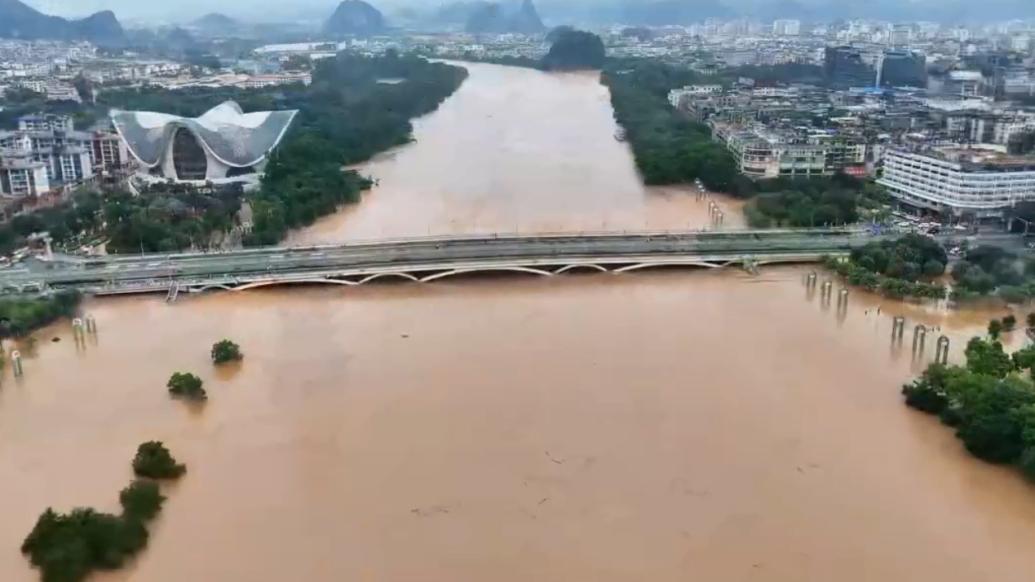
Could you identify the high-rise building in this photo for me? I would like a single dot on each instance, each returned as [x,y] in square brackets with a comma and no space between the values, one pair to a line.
[845,67]
[786,27]
[109,151]
[901,35]
[965,83]
[50,140]
[65,164]
[903,68]
[45,122]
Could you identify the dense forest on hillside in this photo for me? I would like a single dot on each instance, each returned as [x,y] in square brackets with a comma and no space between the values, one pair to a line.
[574,49]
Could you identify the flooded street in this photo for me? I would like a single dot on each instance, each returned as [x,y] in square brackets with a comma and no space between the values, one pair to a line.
[664,426]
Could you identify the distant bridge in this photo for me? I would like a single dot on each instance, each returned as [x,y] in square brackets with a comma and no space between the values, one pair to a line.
[425,260]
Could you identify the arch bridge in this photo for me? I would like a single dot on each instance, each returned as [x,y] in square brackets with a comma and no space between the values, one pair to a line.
[426,260]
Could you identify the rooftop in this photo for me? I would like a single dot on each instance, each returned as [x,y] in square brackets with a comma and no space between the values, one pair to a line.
[981,158]
[235,138]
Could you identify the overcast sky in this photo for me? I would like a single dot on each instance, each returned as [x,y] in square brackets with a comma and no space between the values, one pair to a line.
[158,11]
[183,10]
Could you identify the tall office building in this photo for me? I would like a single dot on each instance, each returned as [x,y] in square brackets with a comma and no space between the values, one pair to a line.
[845,67]
[903,68]
[786,27]
[901,35]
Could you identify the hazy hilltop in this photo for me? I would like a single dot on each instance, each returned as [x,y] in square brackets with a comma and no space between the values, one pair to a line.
[499,17]
[355,17]
[18,20]
[215,22]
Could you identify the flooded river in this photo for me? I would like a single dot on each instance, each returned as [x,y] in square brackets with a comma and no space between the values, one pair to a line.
[514,150]
[664,426]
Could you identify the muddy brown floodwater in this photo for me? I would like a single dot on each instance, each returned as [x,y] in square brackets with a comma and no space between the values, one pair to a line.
[514,150]
[664,426]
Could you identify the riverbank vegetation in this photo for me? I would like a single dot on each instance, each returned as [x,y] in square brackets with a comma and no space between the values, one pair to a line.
[668,148]
[912,266]
[20,316]
[186,385]
[356,106]
[990,402]
[671,148]
[988,270]
[904,268]
[347,115]
[226,351]
[67,547]
[811,202]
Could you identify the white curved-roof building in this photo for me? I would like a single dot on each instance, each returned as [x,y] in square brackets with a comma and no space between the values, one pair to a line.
[224,144]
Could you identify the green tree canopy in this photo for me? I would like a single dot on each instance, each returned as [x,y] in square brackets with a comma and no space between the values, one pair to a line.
[226,351]
[155,461]
[186,385]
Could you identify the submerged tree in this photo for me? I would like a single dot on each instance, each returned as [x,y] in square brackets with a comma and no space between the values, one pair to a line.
[995,329]
[141,500]
[187,386]
[1009,323]
[226,351]
[155,461]
[67,547]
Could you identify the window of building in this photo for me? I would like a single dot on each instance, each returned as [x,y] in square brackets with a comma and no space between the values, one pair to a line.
[189,158]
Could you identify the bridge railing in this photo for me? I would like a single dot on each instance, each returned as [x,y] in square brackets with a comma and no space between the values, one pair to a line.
[469,237]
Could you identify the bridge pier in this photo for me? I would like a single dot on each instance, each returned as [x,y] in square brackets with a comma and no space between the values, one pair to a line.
[941,355]
[826,291]
[919,336]
[78,330]
[174,292]
[16,363]
[810,282]
[898,327]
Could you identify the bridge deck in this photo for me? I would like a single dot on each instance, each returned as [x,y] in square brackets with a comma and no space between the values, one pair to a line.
[426,259]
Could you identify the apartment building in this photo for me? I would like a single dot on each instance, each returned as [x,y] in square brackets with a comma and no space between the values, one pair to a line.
[956,181]
[21,177]
[109,151]
[679,97]
[68,156]
[764,154]
[45,122]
